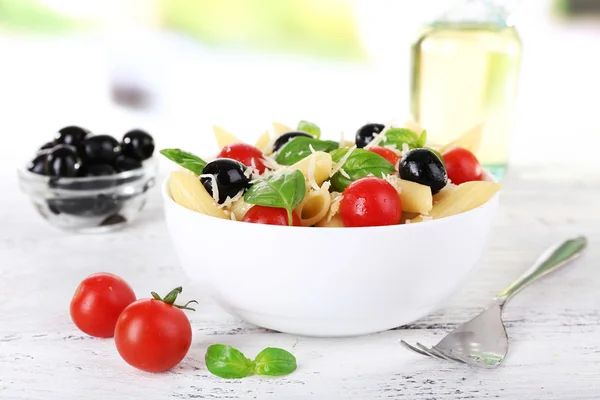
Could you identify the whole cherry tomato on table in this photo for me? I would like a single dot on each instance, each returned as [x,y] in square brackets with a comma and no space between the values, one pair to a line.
[462,166]
[270,216]
[154,335]
[386,153]
[247,154]
[98,302]
[370,201]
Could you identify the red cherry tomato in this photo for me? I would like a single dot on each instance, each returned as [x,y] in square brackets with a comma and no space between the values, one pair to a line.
[370,201]
[462,166]
[248,155]
[153,335]
[386,153]
[270,216]
[97,303]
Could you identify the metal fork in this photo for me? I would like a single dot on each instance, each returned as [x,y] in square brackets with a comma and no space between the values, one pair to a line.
[483,341]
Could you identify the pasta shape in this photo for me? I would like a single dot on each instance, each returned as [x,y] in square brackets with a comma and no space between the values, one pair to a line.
[315,206]
[471,140]
[445,192]
[465,197]
[263,141]
[415,198]
[239,209]
[187,190]
[334,222]
[223,137]
[280,128]
[315,167]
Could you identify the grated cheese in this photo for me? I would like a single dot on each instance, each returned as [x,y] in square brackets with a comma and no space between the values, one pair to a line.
[393,180]
[338,166]
[344,173]
[379,137]
[215,189]
[334,208]
[230,200]
[232,217]
[405,148]
[312,149]
[249,171]
[312,166]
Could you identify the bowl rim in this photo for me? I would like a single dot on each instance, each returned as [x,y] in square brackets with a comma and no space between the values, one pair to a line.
[148,166]
[165,192]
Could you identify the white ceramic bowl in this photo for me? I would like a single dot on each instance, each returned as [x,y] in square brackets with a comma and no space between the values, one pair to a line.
[329,281]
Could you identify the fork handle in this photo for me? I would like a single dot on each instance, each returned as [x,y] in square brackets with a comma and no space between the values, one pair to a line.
[552,259]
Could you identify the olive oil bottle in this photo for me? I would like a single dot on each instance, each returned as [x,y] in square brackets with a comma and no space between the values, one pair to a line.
[465,68]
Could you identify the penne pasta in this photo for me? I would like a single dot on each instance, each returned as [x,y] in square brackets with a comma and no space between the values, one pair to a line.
[445,192]
[263,141]
[315,167]
[334,222]
[280,128]
[315,206]
[465,197]
[469,140]
[414,197]
[187,190]
[239,209]
[223,137]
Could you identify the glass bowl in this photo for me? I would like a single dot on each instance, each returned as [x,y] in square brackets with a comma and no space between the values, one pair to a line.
[90,204]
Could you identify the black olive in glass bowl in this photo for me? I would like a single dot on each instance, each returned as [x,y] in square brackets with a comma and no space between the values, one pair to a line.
[286,137]
[123,163]
[63,161]
[38,164]
[367,133]
[229,176]
[72,135]
[46,147]
[100,149]
[99,170]
[137,144]
[425,167]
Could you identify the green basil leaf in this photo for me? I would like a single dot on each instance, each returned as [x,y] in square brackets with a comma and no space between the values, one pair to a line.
[399,136]
[361,163]
[227,362]
[309,127]
[423,138]
[185,159]
[299,148]
[274,362]
[285,190]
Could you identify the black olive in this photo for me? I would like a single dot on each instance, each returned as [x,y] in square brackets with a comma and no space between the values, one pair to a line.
[137,144]
[38,164]
[63,161]
[92,206]
[72,135]
[366,133]
[425,167]
[286,137]
[123,163]
[100,149]
[99,170]
[229,175]
[46,147]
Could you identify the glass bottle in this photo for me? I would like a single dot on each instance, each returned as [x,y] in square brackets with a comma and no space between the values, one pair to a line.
[465,67]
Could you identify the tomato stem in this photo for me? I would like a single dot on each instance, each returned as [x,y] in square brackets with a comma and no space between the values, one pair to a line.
[172,296]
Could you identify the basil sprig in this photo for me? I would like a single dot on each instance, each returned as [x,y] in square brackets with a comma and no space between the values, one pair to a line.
[309,127]
[299,148]
[185,159]
[361,163]
[399,136]
[284,190]
[227,362]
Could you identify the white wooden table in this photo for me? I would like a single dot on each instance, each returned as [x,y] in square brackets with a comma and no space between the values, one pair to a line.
[554,326]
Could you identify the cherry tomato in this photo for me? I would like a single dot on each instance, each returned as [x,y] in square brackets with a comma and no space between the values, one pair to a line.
[370,201]
[386,153]
[97,303]
[270,216]
[154,335]
[462,166]
[248,155]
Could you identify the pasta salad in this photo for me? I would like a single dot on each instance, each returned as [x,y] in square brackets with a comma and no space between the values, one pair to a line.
[389,175]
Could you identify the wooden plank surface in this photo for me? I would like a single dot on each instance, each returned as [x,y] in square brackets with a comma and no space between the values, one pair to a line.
[554,326]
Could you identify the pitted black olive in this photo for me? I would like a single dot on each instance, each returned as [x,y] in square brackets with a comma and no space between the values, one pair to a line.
[229,176]
[425,167]
[63,161]
[123,163]
[366,133]
[72,135]
[38,164]
[137,144]
[286,137]
[100,149]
